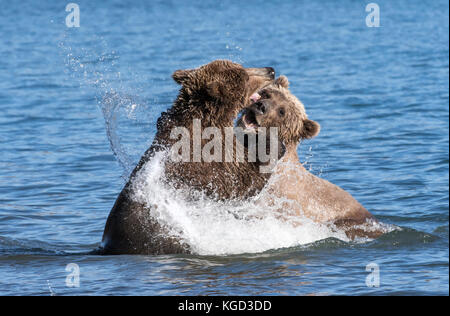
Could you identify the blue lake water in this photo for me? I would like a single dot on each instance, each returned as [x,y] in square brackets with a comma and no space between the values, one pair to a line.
[380,94]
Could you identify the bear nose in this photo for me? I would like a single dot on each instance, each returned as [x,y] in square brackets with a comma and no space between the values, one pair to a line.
[261,107]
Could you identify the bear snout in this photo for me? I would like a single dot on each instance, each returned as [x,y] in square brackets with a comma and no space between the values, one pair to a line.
[270,72]
[267,72]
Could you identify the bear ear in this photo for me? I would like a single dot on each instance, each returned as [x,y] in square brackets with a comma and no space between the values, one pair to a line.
[282,81]
[310,129]
[180,76]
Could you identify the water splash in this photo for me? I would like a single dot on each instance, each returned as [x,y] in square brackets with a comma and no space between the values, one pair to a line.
[221,228]
[110,105]
[96,70]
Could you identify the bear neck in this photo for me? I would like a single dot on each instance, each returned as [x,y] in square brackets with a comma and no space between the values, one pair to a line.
[291,154]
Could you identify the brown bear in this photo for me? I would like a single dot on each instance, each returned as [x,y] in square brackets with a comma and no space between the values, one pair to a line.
[210,96]
[301,193]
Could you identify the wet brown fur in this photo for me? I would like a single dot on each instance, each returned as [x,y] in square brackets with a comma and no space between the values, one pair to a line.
[309,196]
[213,93]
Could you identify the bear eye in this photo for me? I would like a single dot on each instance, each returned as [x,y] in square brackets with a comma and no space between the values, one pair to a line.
[265,95]
[281,112]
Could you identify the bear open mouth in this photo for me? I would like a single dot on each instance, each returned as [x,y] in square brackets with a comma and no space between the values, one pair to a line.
[249,120]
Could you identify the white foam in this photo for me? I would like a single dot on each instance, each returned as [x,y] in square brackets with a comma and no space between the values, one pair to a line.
[220,228]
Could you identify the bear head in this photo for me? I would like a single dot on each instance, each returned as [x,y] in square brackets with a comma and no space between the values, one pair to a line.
[221,82]
[275,106]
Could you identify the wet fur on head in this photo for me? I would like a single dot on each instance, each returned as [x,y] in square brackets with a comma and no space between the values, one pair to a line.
[221,80]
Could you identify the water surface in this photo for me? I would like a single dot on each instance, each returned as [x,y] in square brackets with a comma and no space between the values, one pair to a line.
[380,95]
